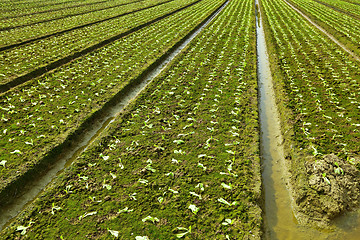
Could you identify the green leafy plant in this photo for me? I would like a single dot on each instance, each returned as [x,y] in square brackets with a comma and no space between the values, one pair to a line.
[150,218]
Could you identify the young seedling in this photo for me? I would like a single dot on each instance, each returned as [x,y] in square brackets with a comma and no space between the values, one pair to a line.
[201,186]
[121,165]
[202,166]
[325,178]
[150,218]
[125,210]
[187,230]
[143,181]
[107,186]
[67,189]
[104,157]
[87,214]
[30,143]
[338,170]
[93,199]
[114,233]
[83,177]
[224,185]
[141,238]
[133,196]
[54,208]
[179,152]
[189,125]
[175,161]
[207,156]
[193,208]
[351,160]
[112,175]
[171,174]
[196,195]
[315,151]
[157,147]
[2,163]
[173,191]
[23,229]
[226,202]
[227,221]
[16,152]
[150,168]
[179,141]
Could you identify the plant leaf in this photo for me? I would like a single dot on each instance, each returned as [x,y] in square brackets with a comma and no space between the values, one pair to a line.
[141,238]
[114,233]
[224,201]
[193,208]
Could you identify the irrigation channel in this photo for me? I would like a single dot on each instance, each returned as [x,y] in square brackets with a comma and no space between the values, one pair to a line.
[34,188]
[279,220]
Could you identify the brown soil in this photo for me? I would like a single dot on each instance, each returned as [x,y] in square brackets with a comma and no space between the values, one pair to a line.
[332,187]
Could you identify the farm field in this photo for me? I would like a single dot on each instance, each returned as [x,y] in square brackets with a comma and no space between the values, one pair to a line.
[337,19]
[35,31]
[28,18]
[318,85]
[197,148]
[25,60]
[186,157]
[46,111]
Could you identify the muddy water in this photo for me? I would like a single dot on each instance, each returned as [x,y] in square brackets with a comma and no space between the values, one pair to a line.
[279,220]
[68,156]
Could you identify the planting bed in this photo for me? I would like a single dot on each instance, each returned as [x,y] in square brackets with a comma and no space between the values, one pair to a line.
[342,6]
[344,27]
[12,6]
[23,34]
[21,11]
[23,60]
[46,111]
[47,16]
[318,94]
[181,162]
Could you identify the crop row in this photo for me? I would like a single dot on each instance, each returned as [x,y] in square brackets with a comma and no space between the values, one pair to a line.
[342,6]
[321,92]
[24,59]
[181,162]
[17,35]
[65,14]
[11,6]
[356,2]
[9,45]
[26,11]
[47,110]
[344,27]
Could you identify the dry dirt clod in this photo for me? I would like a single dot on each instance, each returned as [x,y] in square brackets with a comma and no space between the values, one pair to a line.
[333,187]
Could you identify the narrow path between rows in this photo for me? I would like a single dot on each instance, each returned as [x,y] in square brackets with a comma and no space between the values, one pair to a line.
[69,155]
[279,219]
[356,57]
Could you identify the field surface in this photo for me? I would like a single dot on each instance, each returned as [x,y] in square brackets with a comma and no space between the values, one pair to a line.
[184,157]
[318,89]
